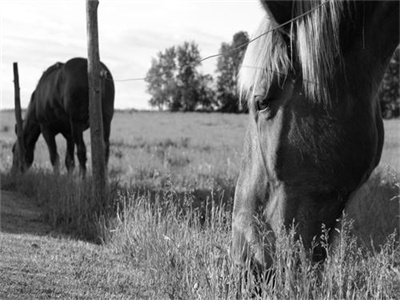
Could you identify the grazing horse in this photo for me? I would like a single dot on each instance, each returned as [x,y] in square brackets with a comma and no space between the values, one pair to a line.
[60,104]
[315,132]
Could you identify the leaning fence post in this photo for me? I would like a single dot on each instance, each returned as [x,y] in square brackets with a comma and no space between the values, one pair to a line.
[19,161]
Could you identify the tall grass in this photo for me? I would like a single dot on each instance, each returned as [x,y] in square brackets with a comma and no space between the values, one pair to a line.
[67,202]
[175,253]
[182,258]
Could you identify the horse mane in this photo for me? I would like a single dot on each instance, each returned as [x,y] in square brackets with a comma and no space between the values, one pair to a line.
[30,113]
[314,50]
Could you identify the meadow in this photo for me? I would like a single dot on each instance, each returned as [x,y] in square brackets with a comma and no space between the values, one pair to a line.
[164,232]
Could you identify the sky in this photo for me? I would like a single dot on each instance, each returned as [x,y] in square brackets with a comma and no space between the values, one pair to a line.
[38,33]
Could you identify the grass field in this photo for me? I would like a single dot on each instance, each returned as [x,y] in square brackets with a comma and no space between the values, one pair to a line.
[165,230]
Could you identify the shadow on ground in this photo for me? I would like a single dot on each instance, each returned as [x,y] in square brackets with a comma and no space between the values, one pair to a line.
[19,214]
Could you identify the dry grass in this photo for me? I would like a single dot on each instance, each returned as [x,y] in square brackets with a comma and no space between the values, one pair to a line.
[48,267]
[184,259]
[166,225]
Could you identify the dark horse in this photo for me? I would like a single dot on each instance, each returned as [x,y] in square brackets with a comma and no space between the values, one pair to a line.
[315,132]
[60,104]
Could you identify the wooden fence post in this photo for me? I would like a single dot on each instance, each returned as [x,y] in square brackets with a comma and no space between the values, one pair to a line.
[19,156]
[95,111]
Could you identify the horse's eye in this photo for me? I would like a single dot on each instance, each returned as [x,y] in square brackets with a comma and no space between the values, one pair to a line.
[262,102]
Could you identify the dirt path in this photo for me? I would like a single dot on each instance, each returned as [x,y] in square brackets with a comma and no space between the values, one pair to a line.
[19,214]
[38,263]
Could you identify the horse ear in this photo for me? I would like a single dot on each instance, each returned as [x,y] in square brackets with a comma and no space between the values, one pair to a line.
[282,11]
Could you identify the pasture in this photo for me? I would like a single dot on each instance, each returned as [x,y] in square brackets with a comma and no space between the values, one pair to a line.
[165,231]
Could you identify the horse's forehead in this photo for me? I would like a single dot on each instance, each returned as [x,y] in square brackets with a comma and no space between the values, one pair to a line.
[261,89]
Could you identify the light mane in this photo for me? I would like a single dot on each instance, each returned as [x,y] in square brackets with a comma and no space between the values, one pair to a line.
[314,41]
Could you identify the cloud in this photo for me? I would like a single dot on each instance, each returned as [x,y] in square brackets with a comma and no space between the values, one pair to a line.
[38,33]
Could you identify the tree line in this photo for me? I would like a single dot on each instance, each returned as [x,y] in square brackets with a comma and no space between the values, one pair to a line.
[176,84]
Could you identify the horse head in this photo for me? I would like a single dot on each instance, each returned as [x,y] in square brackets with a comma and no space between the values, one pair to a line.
[23,156]
[315,132]
[21,159]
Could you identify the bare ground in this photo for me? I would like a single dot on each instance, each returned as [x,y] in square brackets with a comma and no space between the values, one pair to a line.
[37,263]
[19,214]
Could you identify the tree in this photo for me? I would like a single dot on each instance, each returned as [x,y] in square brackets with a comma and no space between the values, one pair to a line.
[160,78]
[227,69]
[206,97]
[389,91]
[174,81]
[187,78]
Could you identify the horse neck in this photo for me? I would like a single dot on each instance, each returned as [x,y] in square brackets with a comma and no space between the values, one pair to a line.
[372,43]
[383,28]
[31,128]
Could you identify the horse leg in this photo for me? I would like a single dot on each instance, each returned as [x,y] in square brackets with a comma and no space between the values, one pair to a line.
[77,133]
[49,137]
[69,155]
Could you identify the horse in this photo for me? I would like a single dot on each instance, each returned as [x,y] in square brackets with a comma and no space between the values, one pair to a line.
[60,104]
[311,76]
